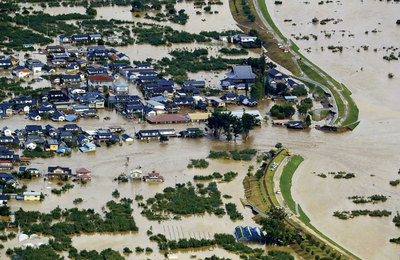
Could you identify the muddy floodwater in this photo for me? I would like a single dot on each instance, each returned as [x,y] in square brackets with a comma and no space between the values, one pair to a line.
[371,151]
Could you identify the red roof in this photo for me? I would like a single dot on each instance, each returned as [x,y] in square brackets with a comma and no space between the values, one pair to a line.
[113,56]
[100,78]
[68,112]
[82,170]
[23,70]
[168,118]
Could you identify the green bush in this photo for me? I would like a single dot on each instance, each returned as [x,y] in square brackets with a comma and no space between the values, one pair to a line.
[198,163]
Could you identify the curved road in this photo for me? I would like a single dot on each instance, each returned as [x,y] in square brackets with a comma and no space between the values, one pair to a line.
[332,122]
[266,189]
[326,89]
[297,57]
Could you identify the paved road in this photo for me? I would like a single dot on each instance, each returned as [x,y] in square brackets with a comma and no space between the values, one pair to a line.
[326,89]
[254,208]
[266,24]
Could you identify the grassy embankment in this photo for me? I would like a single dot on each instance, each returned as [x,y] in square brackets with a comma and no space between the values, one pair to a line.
[273,51]
[312,74]
[286,181]
[285,185]
[256,195]
[269,177]
[351,121]
[268,18]
[254,188]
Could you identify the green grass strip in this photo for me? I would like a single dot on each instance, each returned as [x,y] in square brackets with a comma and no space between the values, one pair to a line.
[286,181]
[352,116]
[286,184]
[306,220]
[312,74]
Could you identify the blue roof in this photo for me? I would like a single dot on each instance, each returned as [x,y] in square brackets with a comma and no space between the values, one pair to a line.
[71,118]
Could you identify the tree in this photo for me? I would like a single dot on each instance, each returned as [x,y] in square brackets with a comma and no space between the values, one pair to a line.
[259,174]
[278,145]
[258,89]
[253,32]
[111,254]
[127,250]
[281,89]
[262,64]
[237,128]
[100,42]
[251,17]
[248,123]
[163,138]
[227,123]
[219,122]
[301,91]
[308,120]
[229,135]
[136,6]
[282,111]
[156,5]
[4,211]
[277,232]
[302,109]
[91,11]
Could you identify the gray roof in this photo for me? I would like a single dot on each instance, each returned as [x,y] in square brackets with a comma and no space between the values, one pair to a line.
[52,142]
[241,72]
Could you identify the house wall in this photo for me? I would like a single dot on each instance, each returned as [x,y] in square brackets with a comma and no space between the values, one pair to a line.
[31,197]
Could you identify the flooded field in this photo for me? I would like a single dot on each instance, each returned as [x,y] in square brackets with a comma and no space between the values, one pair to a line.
[372,149]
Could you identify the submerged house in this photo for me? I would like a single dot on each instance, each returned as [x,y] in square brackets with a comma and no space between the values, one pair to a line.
[241,74]
[89,147]
[83,173]
[148,134]
[127,138]
[32,195]
[153,177]
[136,174]
[58,171]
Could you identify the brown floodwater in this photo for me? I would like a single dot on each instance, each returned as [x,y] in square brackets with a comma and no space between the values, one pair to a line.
[371,149]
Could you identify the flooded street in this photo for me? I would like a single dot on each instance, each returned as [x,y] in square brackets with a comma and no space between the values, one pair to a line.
[371,149]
